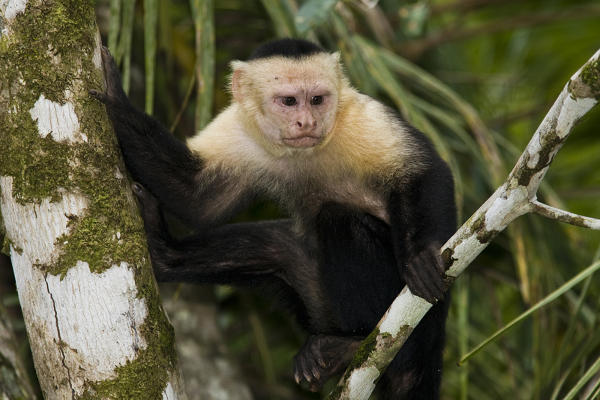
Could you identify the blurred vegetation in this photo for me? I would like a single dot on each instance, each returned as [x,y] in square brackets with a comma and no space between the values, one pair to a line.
[476,76]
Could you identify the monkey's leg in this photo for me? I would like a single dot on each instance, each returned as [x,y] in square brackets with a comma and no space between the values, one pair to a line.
[234,253]
[323,356]
[414,374]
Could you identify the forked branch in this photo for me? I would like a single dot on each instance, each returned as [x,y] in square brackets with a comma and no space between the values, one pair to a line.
[515,197]
[564,216]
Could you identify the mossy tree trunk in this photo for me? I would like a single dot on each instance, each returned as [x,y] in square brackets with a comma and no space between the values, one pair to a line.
[85,283]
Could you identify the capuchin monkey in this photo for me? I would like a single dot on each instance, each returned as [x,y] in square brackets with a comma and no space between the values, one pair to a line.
[369,202]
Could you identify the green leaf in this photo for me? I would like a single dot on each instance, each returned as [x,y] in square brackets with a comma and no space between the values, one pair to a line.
[124,47]
[589,374]
[281,15]
[150,23]
[203,13]
[113,27]
[547,300]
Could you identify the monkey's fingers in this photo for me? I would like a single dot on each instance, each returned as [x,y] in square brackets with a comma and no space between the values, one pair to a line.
[306,370]
[423,275]
[148,202]
[300,370]
[113,93]
[98,96]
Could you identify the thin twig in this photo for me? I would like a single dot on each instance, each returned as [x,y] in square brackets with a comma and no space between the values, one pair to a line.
[564,216]
[186,100]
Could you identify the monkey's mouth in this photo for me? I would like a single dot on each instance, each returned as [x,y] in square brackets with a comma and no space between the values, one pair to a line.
[302,141]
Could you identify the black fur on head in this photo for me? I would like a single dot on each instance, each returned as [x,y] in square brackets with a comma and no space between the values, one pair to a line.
[291,48]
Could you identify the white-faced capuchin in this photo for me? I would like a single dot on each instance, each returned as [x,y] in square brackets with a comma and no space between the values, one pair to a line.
[369,201]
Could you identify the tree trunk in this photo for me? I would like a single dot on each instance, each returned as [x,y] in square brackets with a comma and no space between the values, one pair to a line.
[209,373]
[85,283]
[14,381]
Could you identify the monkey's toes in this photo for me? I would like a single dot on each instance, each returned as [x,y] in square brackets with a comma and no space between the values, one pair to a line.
[138,189]
[307,370]
[146,199]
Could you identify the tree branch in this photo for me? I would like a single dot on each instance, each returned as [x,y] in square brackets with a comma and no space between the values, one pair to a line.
[564,216]
[511,200]
[414,49]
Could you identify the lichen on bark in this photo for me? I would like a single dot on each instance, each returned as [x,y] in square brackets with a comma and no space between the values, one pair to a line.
[590,82]
[49,51]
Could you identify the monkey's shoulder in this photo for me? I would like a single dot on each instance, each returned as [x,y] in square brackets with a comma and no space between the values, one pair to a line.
[225,140]
[376,139]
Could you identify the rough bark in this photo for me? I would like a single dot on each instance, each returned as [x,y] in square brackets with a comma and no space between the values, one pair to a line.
[517,196]
[209,374]
[77,245]
[14,381]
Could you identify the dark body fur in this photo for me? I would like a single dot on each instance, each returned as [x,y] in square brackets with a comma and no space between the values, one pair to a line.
[340,271]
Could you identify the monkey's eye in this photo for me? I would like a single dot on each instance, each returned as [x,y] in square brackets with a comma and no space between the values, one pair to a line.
[316,100]
[288,101]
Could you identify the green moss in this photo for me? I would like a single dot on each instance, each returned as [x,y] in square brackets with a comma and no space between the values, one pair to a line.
[3,239]
[590,76]
[361,355]
[386,340]
[5,246]
[50,53]
[145,377]
[365,349]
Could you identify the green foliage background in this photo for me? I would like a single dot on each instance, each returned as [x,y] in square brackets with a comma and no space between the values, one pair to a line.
[476,76]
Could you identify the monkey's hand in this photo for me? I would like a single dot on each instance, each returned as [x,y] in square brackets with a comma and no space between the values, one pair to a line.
[113,96]
[153,156]
[424,274]
[323,356]
[156,229]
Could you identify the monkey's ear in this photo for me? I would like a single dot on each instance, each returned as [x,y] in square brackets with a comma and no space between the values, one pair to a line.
[337,57]
[237,77]
[336,64]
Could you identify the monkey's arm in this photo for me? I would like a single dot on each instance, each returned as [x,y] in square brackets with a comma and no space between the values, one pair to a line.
[423,217]
[162,163]
[261,252]
[229,254]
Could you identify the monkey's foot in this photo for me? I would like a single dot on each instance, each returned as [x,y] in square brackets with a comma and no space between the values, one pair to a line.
[114,94]
[321,357]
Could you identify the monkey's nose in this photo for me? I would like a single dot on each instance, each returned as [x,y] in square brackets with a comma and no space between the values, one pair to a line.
[307,124]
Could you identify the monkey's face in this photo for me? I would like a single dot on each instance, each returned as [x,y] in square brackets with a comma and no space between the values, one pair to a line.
[298,113]
[293,102]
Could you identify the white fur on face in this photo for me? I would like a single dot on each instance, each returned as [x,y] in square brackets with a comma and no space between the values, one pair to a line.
[361,141]
[260,87]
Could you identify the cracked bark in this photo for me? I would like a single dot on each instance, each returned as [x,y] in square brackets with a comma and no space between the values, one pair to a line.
[60,341]
[90,303]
